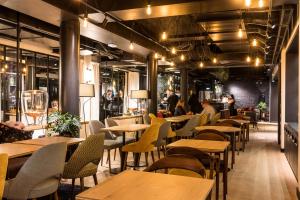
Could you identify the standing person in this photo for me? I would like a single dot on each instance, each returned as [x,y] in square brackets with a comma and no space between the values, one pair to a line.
[231,102]
[208,109]
[194,104]
[172,102]
[179,110]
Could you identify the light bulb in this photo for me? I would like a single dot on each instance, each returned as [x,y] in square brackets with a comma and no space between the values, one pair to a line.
[201,64]
[240,33]
[260,3]
[248,59]
[173,51]
[172,64]
[257,61]
[24,69]
[254,43]
[163,59]
[6,66]
[156,55]
[148,10]
[164,36]
[215,60]
[2,70]
[85,21]
[182,57]
[247,3]
[131,47]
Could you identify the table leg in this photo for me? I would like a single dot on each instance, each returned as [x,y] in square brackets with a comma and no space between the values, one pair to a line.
[244,138]
[123,153]
[248,131]
[233,149]
[225,178]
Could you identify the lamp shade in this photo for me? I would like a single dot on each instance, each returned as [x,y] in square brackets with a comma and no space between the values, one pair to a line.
[139,94]
[86,90]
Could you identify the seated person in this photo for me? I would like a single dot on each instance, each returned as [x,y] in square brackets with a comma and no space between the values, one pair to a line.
[208,109]
[179,109]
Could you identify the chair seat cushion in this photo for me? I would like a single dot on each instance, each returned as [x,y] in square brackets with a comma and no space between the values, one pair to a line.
[136,148]
[43,189]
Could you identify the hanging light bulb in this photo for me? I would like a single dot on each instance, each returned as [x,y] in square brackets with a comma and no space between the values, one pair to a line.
[201,64]
[172,64]
[260,3]
[164,35]
[156,55]
[182,57]
[5,66]
[240,33]
[24,69]
[254,43]
[257,61]
[215,60]
[85,20]
[247,3]
[148,9]
[131,47]
[248,59]
[163,59]
[173,50]
[3,70]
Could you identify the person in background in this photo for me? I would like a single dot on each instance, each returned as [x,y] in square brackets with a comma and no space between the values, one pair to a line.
[208,109]
[172,101]
[194,104]
[231,102]
[179,110]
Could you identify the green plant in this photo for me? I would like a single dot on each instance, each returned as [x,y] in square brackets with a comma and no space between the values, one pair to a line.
[64,123]
[262,106]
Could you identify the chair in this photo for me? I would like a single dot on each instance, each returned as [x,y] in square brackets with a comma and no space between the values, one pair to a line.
[188,129]
[241,135]
[145,144]
[84,161]
[152,116]
[203,119]
[146,119]
[162,137]
[211,134]
[3,168]
[215,118]
[160,121]
[40,175]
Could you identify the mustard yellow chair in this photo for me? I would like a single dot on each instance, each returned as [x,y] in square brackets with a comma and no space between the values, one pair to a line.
[203,119]
[152,116]
[215,118]
[160,121]
[3,169]
[145,144]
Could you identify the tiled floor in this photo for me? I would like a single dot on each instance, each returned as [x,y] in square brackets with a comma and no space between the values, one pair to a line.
[260,173]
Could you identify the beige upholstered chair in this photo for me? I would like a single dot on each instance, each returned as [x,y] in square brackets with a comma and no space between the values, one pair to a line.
[40,175]
[84,161]
[188,129]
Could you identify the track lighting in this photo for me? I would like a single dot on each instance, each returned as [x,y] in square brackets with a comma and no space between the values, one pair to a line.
[173,50]
[182,57]
[148,9]
[131,47]
[164,36]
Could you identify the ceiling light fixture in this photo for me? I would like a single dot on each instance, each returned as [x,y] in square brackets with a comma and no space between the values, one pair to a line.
[215,60]
[240,33]
[173,50]
[248,59]
[248,3]
[260,3]
[164,36]
[254,43]
[148,9]
[201,64]
[131,47]
[182,57]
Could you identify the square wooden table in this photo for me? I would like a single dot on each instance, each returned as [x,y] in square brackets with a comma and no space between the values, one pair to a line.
[130,185]
[15,150]
[208,146]
[51,140]
[178,119]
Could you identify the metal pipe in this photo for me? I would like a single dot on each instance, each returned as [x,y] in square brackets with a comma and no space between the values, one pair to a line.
[18,70]
[278,33]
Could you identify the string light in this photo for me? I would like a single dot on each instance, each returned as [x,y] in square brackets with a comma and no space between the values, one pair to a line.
[240,33]
[85,20]
[24,69]
[254,43]
[6,66]
[215,60]
[260,3]
[173,51]
[163,59]
[248,3]
[182,57]
[257,61]
[201,64]
[131,47]
[248,59]
[164,36]
[2,70]
[172,64]
[156,55]
[148,9]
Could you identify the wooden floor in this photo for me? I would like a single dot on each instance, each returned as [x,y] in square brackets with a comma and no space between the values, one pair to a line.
[260,173]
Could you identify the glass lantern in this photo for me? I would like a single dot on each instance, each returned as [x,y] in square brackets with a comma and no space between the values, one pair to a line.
[34,104]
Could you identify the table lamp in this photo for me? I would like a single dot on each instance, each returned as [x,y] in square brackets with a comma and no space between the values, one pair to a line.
[140,95]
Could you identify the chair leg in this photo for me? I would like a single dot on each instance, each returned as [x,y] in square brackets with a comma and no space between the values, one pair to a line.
[125,161]
[55,195]
[164,150]
[158,152]
[146,159]
[115,153]
[81,184]
[95,179]
[73,185]
[108,156]
[152,155]
[109,162]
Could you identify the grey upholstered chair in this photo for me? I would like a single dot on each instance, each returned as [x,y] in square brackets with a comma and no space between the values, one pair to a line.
[188,129]
[162,136]
[146,119]
[111,141]
[40,175]
[84,161]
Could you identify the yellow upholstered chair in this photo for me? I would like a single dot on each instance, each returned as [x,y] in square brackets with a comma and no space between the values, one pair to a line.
[145,144]
[160,121]
[152,116]
[3,169]
[215,118]
[203,120]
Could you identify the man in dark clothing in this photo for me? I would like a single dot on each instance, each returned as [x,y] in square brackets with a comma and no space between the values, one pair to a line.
[194,104]
[172,101]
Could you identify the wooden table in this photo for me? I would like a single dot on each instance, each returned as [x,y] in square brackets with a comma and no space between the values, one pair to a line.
[126,117]
[17,150]
[51,140]
[231,131]
[127,128]
[131,185]
[208,146]
[178,119]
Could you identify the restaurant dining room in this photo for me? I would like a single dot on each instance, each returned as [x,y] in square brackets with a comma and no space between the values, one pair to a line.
[149,99]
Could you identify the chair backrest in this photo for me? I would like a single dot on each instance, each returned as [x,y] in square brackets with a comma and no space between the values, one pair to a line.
[232,122]
[163,133]
[146,119]
[215,118]
[3,169]
[152,116]
[192,123]
[95,128]
[149,137]
[109,122]
[185,162]
[89,151]
[211,134]
[203,119]
[46,163]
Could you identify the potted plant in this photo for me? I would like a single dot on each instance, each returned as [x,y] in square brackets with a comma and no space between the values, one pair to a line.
[262,107]
[64,124]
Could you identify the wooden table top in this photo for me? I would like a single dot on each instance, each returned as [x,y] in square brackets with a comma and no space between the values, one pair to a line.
[203,145]
[178,119]
[240,121]
[131,185]
[127,128]
[17,150]
[34,127]
[224,129]
[50,140]
[126,117]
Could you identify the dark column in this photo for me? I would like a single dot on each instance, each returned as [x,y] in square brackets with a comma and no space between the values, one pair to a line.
[183,86]
[69,66]
[152,83]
